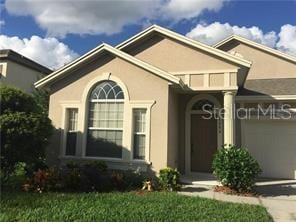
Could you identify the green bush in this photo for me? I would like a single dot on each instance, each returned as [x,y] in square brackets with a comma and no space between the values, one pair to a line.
[84,177]
[41,98]
[43,180]
[97,165]
[169,179]
[95,176]
[14,100]
[236,168]
[24,130]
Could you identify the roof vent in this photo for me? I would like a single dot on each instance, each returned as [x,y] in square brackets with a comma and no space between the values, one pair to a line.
[236,54]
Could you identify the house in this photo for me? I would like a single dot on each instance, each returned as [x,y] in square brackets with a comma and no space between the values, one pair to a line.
[161,99]
[19,71]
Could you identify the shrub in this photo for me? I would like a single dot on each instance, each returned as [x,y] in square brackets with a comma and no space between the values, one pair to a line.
[236,168]
[41,97]
[96,176]
[43,180]
[98,165]
[15,100]
[84,177]
[24,130]
[117,180]
[72,177]
[133,179]
[169,179]
[128,179]
[31,168]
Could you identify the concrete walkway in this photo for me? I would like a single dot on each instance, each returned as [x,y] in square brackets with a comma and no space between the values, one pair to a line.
[278,197]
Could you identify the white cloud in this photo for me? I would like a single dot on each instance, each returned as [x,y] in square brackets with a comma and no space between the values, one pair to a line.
[287,41]
[180,9]
[59,18]
[210,34]
[216,31]
[46,51]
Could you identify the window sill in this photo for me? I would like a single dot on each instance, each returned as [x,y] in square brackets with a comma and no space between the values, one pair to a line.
[118,160]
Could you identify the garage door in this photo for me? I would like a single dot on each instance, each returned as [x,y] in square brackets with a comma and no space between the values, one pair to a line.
[273,144]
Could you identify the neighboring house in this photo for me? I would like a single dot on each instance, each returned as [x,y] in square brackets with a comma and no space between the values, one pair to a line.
[19,71]
[141,104]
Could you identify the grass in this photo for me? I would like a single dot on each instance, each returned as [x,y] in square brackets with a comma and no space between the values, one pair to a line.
[132,206]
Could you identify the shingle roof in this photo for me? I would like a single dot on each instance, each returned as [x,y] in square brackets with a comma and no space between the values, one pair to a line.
[269,87]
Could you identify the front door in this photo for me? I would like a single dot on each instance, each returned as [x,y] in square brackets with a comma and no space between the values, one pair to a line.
[203,143]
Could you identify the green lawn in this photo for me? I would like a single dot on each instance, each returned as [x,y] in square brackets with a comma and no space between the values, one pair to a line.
[156,206]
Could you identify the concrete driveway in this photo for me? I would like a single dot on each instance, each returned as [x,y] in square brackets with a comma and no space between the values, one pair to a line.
[277,196]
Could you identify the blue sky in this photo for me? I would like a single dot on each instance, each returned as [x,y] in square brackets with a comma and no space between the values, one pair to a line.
[275,23]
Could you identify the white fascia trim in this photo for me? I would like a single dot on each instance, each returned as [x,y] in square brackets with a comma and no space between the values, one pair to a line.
[171,78]
[187,41]
[256,45]
[211,71]
[267,97]
[216,88]
[60,71]
[121,54]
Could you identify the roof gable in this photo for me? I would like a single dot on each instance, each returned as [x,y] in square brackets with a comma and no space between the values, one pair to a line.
[267,63]
[184,40]
[261,47]
[174,56]
[103,48]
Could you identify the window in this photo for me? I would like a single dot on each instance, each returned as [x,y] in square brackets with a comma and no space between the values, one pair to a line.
[139,119]
[71,137]
[105,124]
[203,105]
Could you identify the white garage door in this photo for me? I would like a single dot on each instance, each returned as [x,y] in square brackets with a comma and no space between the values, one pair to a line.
[273,144]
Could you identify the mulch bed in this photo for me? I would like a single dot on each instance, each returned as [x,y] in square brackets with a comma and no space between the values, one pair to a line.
[227,190]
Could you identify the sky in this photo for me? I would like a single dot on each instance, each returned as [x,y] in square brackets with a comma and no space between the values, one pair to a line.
[54,32]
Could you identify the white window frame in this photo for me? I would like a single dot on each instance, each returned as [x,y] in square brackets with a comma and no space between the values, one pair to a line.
[106,129]
[138,133]
[65,106]
[127,137]
[147,105]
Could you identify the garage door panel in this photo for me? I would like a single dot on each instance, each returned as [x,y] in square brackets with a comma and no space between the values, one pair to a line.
[273,144]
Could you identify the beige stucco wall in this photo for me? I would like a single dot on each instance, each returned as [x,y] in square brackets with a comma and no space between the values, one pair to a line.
[217,80]
[20,76]
[264,64]
[141,85]
[173,129]
[173,56]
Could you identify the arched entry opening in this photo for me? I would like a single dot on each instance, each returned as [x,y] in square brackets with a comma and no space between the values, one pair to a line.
[203,133]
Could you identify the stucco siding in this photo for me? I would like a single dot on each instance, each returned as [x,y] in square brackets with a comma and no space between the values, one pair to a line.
[173,56]
[20,76]
[264,64]
[141,85]
[173,129]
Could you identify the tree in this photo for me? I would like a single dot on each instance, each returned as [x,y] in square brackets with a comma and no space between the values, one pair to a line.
[25,130]
[41,97]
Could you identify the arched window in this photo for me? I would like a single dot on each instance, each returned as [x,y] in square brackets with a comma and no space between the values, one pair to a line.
[203,105]
[105,123]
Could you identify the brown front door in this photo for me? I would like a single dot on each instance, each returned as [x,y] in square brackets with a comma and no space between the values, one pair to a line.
[203,142]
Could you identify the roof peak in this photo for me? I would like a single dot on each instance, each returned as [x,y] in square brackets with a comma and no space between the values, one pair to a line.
[255,44]
[116,52]
[187,41]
